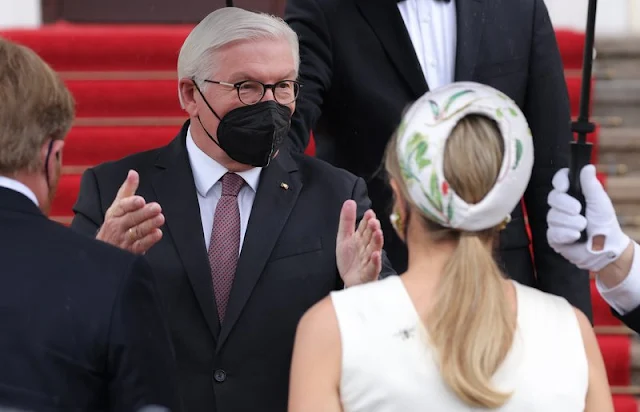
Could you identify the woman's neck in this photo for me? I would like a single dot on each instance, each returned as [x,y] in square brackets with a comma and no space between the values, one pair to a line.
[426,264]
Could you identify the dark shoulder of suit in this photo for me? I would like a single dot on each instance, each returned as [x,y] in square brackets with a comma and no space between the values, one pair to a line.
[58,291]
[631,319]
[57,249]
[317,170]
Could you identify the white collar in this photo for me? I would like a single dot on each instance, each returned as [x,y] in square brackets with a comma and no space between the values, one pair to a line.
[18,187]
[207,172]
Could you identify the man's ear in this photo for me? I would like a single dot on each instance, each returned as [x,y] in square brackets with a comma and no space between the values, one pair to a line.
[56,150]
[52,149]
[188,91]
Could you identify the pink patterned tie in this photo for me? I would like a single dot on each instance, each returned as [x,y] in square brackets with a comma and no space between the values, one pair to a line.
[224,247]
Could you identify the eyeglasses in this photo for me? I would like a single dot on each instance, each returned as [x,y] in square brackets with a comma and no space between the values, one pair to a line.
[252,91]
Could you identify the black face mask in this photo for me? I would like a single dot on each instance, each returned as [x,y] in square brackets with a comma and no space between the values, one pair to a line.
[251,135]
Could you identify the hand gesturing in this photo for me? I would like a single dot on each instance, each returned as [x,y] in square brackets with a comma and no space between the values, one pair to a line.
[130,223]
[358,252]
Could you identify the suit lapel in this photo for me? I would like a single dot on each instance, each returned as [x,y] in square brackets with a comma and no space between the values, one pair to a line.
[176,193]
[386,21]
[269,214]
[470,22]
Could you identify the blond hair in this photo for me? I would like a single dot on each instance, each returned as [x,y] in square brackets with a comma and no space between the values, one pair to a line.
[36,106]
[471,325]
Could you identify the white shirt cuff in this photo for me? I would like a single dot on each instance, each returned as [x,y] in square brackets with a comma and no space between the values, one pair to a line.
[624,297]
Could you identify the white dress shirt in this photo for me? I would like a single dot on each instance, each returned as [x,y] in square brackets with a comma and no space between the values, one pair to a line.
[432,28]
[206,175]
[18,187]
[625,296]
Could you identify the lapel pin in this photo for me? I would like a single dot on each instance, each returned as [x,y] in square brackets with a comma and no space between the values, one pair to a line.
[284,186]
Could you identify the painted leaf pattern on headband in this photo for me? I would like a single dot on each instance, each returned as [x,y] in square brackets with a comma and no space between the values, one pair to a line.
[518,153]
[454,97]
[435,109]
[416,148]
[435,191]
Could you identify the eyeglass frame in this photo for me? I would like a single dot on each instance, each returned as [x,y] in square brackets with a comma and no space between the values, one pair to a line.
[265,87]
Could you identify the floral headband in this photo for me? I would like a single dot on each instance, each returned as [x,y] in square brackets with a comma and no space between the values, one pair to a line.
[422,135]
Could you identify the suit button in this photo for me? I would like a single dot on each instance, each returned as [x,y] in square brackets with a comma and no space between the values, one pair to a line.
[219,375]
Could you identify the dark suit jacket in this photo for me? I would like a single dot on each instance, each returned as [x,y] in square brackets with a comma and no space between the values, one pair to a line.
[80,321]
[286,265]
[359,71]
[631,319]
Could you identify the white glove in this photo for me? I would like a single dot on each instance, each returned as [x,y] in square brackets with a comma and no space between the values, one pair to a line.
[565,222]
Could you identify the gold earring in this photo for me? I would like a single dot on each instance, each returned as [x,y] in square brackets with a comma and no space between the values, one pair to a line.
[396,222]
[504,223]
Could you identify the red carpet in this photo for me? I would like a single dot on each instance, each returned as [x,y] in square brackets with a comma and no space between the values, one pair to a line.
[616,351]
[571,44]
[602,316]
[126,98]
[88,146]
[69,47]
[120,117]
[66,196]
[625,403]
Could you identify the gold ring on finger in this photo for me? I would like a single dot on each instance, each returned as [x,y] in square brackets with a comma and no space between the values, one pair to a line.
[132,235]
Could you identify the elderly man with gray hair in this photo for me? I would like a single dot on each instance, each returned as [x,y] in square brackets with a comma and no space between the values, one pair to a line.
[243,235]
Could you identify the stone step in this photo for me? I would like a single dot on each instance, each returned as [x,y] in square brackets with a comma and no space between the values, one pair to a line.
[634,233]
[619,150]
[624,189]
[609,47]
[619,138]
[624,192]
[617,100]
[627,211]
[618,91]
[617,68]
[610,169]
[628,115]
[630,221]
[618,97]
[617,58]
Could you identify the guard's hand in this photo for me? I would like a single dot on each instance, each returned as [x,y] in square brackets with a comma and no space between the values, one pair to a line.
[130,223]
[605,242]
[358,252]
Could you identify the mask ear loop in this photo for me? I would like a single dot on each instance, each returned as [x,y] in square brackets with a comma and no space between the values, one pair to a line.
[212,111]
[46,163]
[205,100]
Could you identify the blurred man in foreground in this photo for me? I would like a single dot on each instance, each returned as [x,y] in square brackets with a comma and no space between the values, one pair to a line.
[81,327]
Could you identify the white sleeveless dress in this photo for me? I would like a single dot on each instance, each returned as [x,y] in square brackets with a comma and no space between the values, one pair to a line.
[388,366]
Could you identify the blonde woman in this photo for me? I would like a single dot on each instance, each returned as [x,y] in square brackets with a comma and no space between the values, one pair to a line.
[450,334]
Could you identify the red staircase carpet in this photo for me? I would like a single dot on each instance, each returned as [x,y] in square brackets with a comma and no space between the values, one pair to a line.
[124,82]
